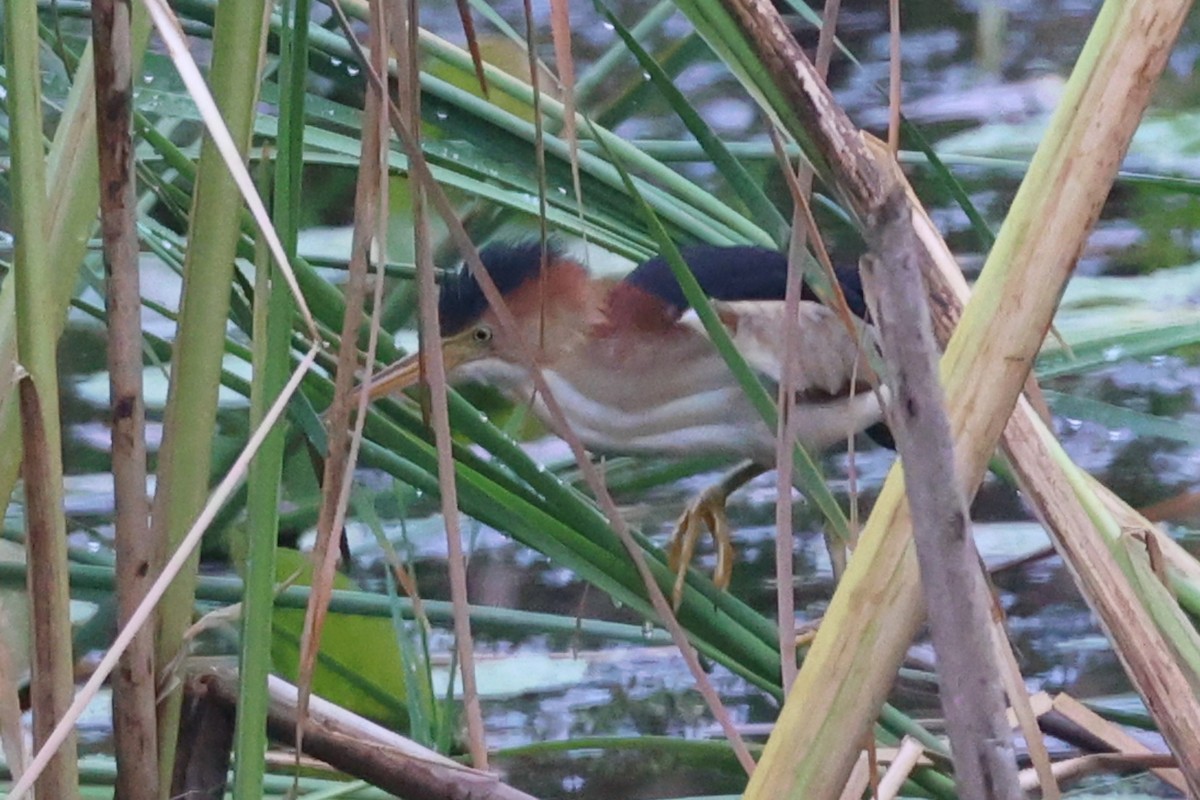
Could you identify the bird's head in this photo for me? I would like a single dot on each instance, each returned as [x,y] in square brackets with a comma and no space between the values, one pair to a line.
[552,300]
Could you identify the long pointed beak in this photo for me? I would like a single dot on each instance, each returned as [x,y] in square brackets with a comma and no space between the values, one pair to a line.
[407,371]
[395,377]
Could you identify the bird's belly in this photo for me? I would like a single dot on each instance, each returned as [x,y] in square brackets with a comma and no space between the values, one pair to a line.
[715,419]
[685,403]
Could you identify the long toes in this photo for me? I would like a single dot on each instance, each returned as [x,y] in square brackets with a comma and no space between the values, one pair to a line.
[683,549]
[706,513]
[719,525]
[678,543]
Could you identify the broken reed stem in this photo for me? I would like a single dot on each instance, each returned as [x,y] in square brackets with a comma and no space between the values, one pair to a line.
[357,746]
[955,595]
[134,715]
[37,378]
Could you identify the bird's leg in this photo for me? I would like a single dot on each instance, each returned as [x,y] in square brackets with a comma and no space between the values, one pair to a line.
[707,511]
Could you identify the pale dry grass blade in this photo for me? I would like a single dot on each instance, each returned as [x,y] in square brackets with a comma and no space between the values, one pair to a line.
[539,141]
[894,85]
[1067,708]
[170,570]
[1074,769]
[404,578]
[172,36]
[564,60]
[799,184]
[1021,707]
[901,767]
[804,230]
[859,780]
[785,434]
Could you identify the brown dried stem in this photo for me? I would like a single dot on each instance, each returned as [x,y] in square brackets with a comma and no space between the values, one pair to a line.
[434,373]
[955,594]
[134,722]
[359,747]
[52,681]
[343,437]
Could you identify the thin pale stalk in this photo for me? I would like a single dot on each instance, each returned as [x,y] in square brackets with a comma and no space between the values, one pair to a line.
[564,61]
[189,423]
[894,85]
[539,145]
[902,766]
[1022,708]
[435,376]
[343,436]
[170,572]
[800,185]
[785,436]
[52,676]
[134,692]
[826,39]
[422,716]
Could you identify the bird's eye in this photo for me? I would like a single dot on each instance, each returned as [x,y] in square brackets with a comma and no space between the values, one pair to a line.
[482,334]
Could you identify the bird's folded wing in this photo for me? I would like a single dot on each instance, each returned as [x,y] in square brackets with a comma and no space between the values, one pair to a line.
[828,359]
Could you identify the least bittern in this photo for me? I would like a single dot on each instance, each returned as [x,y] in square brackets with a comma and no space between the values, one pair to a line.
[634,372]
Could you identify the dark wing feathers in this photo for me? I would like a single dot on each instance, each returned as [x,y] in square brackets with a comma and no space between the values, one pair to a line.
[735,273]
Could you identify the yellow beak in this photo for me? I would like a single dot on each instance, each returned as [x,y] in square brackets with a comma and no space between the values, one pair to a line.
[407,371]
[395,377]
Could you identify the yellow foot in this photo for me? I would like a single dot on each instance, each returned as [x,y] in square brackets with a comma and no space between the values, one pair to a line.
[706,512]
[806,633]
